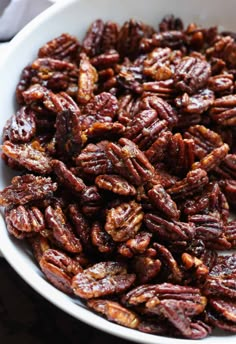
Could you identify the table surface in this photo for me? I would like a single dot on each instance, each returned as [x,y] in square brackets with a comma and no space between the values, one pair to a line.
[26,317]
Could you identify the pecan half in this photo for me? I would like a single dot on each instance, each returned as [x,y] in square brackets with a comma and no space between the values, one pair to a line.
[116,184]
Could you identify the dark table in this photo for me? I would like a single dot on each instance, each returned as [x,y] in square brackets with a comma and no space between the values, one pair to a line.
[27,318]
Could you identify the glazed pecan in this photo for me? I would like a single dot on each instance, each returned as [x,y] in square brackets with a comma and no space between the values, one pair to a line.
[158,150]
[56,75]
[162,201]
[128,106]
[224,48]
[145,268]
[137,245]
[101,239]
[39,245]
[170,23]
[129,161]
[92,40]
[66,177]
[21,127]
[170,231]
[86,79]
[102,279]
[99,130]
[113,311]
[196,269]
[208,227]
[63,47]
[221,84]
[91,201]
[124,221]
[230,233]
[163,89]
[191,74]
[229,189]
[93,159]
[116,184]
[107,59]
[130,77]
[26,188]
[194,182]
[22,219]
[62,231]
[59,269]
[157,64]
[227,169]
[223,110]
[197,103]
[28,155]
[80,225]
[109,36]
[222,314]
[172,39]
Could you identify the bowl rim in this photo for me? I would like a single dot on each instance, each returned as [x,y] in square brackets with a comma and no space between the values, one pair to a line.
[35,278]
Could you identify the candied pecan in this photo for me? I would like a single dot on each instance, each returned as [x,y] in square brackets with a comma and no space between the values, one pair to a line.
[137,245]
[145,128]
[59,269]
[116,184]
[39,245]
[166,230]
[227,169]
[93,159]
[21,220]
[194,182]
[191,74]
[92,40]
[21,127]
[101,239]
[124,221]
[62,231]
[129,161]
[162,201]
[173,39]
[80,225]
[145,268]
[185,120]
[220,322]
[226,309]
[158,326]
[224,48]
[157,64]
[158,150]
[28,155]
[221,84]
[181,154]
[229,188]
[130,36]
[113,311]
[53,74]
[164,110]
[102,279]
[170,270]
[105,60]
[170,22]
[197,103]
[109,36]
[26,188]
[213,159]
[163,89]
[195,267]
[90,201]
[66,177]
[208,227]
[205,140]
[223,110]
[86,79]
[99,130]
[63,47]
[230,233]
[130,77]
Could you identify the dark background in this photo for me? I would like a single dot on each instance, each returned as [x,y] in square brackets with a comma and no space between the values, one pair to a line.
[27,318]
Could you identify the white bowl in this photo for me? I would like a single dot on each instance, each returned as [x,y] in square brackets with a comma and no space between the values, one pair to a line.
[74,17]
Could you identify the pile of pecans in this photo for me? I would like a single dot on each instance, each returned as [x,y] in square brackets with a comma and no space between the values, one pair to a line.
[125,145]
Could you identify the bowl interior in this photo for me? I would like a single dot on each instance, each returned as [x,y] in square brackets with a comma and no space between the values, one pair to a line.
[74,17]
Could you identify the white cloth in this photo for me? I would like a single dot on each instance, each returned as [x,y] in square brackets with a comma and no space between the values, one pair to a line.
[14,14]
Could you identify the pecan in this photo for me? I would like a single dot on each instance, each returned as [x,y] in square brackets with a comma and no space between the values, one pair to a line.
[158,150]
[101,239]
[130,77]
[205,140]
[109,36]
[53,74]
[129,161]
[185,120]
[63,47]
[197,103]
[128,106]
[90,201]
[66,177]
[229,188]
[223,110]
[113,311]
[62,231]
[21,127]
[225,312]
[166,230]
[145,128]
[221,84]
[146,268]
[194,182]
[105,130]
[102,279]
[156,64]
[230,233]
[191,74]
[170,23]
[80,225]
[162,201]
[195,267]
[227,169]
[124,221]
[108,59]
[213,159]
[137,245]
[116,184]
[163,89]
[59,269]
[220,322]
[28,155]
[26,188]
[93,159]
[130,36]
[224,48]
[92,40]
[39,245]
[207,226]
[86,80]
[173,39]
